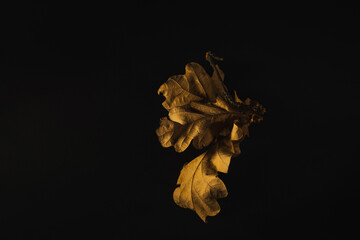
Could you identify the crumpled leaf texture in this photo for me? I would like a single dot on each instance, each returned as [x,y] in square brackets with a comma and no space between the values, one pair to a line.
[200,114]
[194,85]
[196,122]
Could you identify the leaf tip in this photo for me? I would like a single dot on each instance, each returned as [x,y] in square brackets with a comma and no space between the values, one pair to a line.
[237,99]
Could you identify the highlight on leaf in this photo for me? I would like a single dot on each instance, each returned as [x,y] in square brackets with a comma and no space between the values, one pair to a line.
[202,112]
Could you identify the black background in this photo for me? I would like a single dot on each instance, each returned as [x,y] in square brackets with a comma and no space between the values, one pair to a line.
[79,156]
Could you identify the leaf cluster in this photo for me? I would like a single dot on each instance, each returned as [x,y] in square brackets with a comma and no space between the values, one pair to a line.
[202,112]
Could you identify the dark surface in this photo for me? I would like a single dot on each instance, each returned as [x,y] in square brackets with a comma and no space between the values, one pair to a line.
[79,157]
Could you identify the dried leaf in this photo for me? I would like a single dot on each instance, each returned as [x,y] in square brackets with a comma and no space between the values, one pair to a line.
[201,111]
[201,125]
[194,85]
[199,185]
[199,189]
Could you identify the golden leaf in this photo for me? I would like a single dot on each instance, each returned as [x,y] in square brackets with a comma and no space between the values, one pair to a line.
[203,122]
[199,189]
[201,111]
[199,185]
[194,85]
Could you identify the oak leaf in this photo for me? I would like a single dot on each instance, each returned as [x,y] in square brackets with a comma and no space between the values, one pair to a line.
[194,85]
[202,111]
